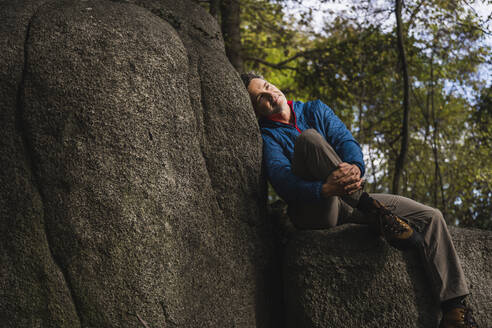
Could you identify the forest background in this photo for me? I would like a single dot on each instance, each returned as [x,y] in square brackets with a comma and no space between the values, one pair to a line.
[410,79]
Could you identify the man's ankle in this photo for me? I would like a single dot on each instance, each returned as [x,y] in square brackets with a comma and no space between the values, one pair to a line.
[457,302]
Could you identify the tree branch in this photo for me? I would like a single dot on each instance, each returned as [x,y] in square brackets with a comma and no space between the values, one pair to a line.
[415,12]
[273,65]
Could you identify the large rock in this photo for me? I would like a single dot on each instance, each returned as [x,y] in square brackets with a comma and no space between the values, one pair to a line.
[131,182]
[346,277]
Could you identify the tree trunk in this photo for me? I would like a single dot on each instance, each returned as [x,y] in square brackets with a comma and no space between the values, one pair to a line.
[400,161]
[230,17]
[435,149]
[434,132]
[215,8]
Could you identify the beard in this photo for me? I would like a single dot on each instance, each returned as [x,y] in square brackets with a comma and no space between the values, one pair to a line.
[278,106]
[276,109]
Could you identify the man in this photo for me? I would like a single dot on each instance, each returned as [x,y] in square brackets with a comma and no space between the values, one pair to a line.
[314,163]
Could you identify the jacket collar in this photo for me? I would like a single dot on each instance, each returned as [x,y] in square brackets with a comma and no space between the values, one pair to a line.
[272,121]
[274,118]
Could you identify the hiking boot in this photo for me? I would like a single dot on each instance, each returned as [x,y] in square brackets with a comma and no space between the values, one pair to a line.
[459,317]
[397,232]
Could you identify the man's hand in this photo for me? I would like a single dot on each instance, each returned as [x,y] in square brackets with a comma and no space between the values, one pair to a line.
[345,180]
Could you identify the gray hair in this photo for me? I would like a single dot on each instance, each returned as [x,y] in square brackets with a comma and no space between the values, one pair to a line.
[247,77]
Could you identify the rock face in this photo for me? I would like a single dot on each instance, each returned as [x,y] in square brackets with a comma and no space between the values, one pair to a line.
[346,277]
[131,190]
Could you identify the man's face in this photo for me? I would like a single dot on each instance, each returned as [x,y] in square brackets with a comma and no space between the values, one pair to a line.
[266,98]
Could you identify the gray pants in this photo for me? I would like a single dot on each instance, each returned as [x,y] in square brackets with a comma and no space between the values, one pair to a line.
[315,159]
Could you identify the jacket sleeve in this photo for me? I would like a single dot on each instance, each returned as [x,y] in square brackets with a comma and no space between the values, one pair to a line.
[339,137]
[287,185]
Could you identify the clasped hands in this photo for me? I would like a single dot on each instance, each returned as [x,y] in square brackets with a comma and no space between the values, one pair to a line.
[345,180]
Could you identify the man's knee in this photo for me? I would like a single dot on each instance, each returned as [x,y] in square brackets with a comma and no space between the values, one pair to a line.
[309,136]
[437,217]
[310,139]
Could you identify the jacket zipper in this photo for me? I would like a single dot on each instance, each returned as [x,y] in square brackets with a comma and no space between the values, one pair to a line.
[295,118]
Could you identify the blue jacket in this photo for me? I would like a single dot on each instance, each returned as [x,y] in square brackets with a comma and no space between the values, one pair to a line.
[278,148]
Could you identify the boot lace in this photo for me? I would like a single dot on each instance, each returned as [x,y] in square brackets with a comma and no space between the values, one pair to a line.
[389,222]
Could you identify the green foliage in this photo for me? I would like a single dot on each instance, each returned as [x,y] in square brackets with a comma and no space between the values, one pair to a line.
[353,67]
